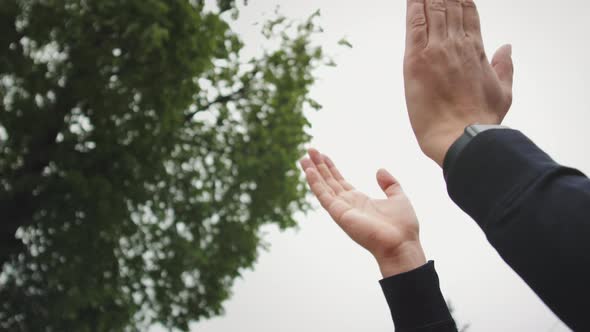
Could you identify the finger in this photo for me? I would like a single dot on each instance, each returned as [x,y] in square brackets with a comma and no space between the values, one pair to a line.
[503,65]
[336,173]
[324,171]
[306,163]
[319,188]
[437,20]
[416,26]
[388,183]
[336,207]
[471,23]
[455,18]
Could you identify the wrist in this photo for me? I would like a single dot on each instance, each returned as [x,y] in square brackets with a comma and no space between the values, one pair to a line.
[408,257]
[437,145]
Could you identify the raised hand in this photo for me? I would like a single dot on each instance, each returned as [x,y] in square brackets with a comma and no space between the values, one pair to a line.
[388,228]
[449,81]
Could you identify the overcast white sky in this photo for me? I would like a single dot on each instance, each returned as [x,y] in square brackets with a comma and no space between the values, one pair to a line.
[315,278]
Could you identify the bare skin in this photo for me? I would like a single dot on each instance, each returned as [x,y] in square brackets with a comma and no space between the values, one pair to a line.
[449,82]
[387,228]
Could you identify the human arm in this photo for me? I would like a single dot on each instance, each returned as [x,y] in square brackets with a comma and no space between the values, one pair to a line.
[388,228]
[535,212]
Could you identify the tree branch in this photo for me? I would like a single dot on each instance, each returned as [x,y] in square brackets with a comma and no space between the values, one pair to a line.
[219,100]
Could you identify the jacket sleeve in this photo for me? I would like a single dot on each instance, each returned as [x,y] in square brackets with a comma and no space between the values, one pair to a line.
[536,214]
[416,302]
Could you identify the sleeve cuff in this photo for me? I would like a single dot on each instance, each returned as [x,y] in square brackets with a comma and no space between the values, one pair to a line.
[416,302]
[493,169]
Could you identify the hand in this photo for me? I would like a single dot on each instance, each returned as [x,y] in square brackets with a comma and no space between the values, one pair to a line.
[449,82]
[388,228]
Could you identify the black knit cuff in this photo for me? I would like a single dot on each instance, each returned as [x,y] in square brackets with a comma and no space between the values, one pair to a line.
[416,302]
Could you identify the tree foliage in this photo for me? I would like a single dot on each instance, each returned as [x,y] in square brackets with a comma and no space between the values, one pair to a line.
[140,154]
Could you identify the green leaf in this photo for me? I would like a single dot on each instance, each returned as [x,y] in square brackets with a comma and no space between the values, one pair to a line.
[344,42]
[140,158]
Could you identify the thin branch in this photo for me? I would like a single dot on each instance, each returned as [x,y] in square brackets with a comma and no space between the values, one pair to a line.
[219,100]
[231,97]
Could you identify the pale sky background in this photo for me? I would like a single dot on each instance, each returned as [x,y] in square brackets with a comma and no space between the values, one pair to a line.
[315,278]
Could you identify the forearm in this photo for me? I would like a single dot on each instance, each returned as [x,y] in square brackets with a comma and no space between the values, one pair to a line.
[535,212]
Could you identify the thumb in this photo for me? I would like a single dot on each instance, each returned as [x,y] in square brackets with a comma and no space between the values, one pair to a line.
[502,64]
[388,183]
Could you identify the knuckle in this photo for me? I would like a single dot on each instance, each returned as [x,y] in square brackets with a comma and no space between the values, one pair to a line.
[437,5]
[469,4]
[435,52]
[420,62]
[418,22]
[457,43]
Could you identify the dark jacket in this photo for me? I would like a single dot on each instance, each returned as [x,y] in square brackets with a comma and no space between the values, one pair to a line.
[535,212]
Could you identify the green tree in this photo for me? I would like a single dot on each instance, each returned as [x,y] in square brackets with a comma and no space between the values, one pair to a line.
[140,154]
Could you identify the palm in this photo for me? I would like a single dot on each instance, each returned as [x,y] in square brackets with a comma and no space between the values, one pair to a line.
[379,225]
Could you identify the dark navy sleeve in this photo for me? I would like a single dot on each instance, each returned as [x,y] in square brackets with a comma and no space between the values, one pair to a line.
[416,302]
[536,214]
